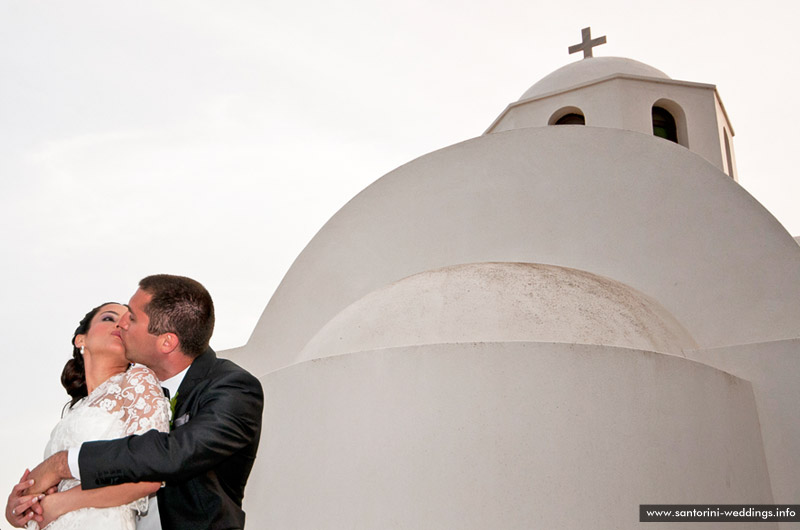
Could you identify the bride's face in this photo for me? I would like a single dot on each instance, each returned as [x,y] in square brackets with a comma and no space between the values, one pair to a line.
[103,335]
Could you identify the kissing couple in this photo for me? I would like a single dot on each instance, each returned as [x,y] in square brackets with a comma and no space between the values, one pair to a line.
[125,454]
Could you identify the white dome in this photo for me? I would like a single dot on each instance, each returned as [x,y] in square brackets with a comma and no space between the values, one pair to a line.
[502,302]
[590,69]
[621,204]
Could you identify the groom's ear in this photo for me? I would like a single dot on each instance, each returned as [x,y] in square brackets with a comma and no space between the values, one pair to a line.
[168,342]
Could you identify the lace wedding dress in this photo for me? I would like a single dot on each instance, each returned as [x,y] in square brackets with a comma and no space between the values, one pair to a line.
[130,402]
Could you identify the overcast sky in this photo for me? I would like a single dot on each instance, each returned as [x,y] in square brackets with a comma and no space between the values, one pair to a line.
[213,139]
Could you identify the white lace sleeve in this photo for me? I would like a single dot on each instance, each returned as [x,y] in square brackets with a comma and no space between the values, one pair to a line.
[137,399]
[143,406]
[146,408]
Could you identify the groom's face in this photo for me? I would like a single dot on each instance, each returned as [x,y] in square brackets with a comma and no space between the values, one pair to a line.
[140,344]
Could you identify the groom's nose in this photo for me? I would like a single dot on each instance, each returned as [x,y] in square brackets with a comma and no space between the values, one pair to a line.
[124,321]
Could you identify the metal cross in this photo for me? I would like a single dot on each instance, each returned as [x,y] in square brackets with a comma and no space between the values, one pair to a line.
[588,43]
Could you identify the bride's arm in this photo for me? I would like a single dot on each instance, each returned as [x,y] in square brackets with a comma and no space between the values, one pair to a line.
[57,504]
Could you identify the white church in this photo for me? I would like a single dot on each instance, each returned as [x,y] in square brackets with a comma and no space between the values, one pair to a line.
[576,313]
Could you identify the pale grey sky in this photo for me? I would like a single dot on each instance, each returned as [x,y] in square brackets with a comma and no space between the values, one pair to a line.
[214,139]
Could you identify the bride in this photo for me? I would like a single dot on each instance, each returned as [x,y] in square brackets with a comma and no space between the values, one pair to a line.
[110,399]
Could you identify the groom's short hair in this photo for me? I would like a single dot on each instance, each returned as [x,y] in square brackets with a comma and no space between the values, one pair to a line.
[181,306]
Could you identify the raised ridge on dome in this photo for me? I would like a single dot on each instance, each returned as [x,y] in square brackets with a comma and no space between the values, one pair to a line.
[501,302]
[590,69]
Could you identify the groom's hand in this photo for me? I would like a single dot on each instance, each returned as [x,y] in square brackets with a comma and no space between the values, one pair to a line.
[49,473]
[22,508]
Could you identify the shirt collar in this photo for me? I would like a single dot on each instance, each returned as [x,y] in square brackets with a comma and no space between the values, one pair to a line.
[174,383]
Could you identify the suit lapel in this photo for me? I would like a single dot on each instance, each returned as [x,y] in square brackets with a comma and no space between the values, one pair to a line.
[198,372]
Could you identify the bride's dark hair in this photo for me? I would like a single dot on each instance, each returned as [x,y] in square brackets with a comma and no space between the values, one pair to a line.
[73,376]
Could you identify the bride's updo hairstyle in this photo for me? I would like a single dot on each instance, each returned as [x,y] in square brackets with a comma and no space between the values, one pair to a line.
[73,376]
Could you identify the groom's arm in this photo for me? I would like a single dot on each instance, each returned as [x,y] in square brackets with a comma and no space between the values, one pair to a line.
[49,473]
[228,419]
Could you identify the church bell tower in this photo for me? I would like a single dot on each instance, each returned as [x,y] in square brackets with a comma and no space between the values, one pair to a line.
[621,93]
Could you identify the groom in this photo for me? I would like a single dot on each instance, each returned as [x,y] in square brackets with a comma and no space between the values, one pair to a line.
[206,458]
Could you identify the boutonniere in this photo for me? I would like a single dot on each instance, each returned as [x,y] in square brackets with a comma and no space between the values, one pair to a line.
[172,401]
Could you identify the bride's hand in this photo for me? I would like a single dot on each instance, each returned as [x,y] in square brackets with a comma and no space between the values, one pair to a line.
[22,508]
[52,509]
[55,504]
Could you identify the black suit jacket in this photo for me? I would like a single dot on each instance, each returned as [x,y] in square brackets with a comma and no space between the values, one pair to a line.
[205,459]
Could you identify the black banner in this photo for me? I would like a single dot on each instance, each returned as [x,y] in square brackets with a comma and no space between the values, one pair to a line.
[719,513]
